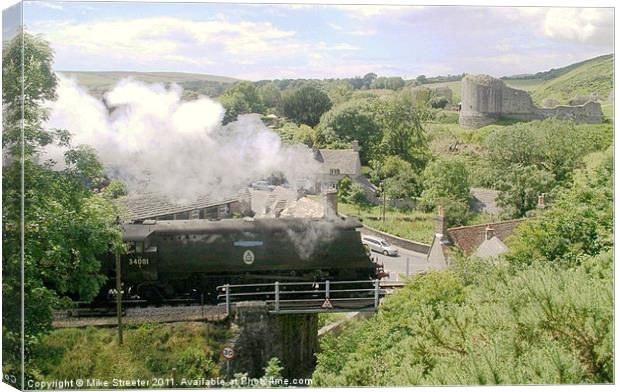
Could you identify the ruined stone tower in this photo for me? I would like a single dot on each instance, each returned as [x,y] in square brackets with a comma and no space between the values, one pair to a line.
[484,100]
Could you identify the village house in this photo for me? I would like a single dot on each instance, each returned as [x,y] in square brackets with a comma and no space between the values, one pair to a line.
[336,164]
[140,207]
[487,240]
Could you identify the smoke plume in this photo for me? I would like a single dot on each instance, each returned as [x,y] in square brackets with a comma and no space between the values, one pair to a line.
[156,142]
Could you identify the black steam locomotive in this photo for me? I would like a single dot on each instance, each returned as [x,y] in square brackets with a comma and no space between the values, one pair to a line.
[190,258]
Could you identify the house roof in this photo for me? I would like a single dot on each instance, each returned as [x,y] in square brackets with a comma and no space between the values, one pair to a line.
[151,205]
[469,238]
[491,248]
[344,160]
[484,200]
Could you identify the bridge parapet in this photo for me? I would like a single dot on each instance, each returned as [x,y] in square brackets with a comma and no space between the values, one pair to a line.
[309,297]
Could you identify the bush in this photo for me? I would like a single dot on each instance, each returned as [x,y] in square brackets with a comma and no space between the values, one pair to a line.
[438,102]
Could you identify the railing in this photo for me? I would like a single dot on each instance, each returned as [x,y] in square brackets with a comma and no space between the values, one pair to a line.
[308,297]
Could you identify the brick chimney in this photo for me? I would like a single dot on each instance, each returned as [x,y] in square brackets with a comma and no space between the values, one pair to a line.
[441,227]
[489,233]
[541,202]
[330,208]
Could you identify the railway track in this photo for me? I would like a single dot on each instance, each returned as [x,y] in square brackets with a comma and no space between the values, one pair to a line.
[139,312]
[141,315]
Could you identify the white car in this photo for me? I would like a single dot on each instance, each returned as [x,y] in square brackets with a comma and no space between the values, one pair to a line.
[379,245]
[262,186]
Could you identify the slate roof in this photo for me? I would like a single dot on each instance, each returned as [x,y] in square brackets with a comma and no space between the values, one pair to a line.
[151,205]
[491,248]
[484,201]
[345,160]
[469,238]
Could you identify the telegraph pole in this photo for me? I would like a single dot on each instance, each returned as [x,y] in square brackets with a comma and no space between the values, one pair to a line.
[119,295]
[383,189]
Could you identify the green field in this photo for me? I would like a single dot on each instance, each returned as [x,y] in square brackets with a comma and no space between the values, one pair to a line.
[100,82]
[412,225]
[594,76]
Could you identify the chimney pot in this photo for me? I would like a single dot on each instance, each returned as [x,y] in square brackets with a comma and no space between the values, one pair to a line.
[441,229]
[541,201]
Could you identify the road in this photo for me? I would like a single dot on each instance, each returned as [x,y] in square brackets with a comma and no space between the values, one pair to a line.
[397,265]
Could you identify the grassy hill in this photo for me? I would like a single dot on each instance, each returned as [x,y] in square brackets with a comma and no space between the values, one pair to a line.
[99,82]
[583,78]
[592,76]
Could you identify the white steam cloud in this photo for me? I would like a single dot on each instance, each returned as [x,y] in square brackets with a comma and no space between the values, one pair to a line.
[156,142]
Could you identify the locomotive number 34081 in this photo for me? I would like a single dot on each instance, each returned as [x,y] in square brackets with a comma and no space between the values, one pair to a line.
[138,261]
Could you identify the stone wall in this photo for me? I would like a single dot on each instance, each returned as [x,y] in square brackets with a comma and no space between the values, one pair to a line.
[292,338]
[484,100]
[398,241]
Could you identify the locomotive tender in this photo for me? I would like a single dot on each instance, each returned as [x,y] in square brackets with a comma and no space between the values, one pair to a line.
[190,258]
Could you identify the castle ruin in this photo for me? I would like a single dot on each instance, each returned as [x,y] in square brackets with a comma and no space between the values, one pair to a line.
[484,100]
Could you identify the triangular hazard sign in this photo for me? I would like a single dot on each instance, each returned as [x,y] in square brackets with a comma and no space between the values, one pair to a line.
[327,303]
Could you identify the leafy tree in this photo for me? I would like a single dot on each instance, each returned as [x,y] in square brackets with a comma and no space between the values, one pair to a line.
[438,102]
[399,179]
[37,70]
[353,120]
[521,187]
[421,79]
[402,130]
[344,188]
[270,95]
[305,105]
[580,221]
[390,83]
[339,92]
[446,177]
[241,97]
[292,133]
[66,226]
[551,145]
[357,197]
[369,78]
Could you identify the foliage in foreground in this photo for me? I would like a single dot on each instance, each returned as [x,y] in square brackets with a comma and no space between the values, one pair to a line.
[545,321]
[149,351]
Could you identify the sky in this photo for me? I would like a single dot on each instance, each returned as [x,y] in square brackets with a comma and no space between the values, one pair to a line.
[260,41]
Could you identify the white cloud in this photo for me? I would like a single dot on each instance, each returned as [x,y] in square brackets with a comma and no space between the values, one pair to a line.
[576,24]
[183,41]
[51,5]
[370,11]
[581,25]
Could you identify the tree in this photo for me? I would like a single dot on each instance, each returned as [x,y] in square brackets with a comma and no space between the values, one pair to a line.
[270,95]
[438,102]
[240,98]
[520,189]
[357,197]
[399,179]
[579,222]
[305,105]
[37,70]
[353,120]
[402,130]
[551,145]
[344,188]
[369,78]
[292,133]
[66,226]
[421,79]
[446,177]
